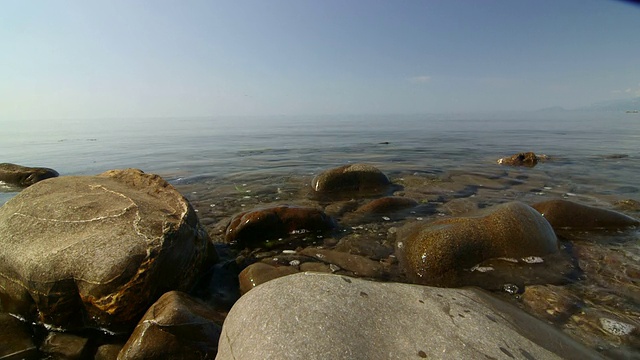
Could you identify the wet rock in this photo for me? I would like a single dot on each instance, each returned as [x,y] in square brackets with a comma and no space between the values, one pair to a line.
[527,159]
[339,208]
[479,181]
[315,267]
[97,250]
[254,227]
[16,339]
[108,352]
[335,317]
[567,215]
[435,253]
[23,176]
[460,206]
[387,205]
[628,205]
[351,178]
[551,302]
[65,346]
[177,326]
[364,245]
[259,273]
[359,265]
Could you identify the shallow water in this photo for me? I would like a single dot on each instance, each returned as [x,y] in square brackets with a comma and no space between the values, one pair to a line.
[227,165]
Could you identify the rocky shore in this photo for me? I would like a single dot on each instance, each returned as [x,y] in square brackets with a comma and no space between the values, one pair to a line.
[352,263]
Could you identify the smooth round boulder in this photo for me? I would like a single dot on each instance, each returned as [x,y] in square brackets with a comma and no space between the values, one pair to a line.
[436,253]
[24,176]
[259,273]
[568,215]
[96,251]
[251,228]
[323,316]
[177,326]
[358,178]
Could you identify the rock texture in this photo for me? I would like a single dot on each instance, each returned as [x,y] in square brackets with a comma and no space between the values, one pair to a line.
[351,178]
[435,253]
[259,273]
[253,227]
[177,326]
[16,340]
[24,176]
[97,250]
[322,316]
[527,159]
[567,215]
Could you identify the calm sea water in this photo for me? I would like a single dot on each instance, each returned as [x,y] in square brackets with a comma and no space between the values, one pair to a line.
[244,149]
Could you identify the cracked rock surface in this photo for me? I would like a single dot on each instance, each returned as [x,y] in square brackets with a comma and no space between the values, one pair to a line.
[81,251]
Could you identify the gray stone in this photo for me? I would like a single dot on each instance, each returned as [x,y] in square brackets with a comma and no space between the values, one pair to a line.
[323,316]
[97,250]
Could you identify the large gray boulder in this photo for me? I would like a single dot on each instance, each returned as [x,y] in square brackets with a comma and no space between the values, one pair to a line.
[97,250]
[323,316]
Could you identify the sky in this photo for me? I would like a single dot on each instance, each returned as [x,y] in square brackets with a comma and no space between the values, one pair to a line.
[127,59]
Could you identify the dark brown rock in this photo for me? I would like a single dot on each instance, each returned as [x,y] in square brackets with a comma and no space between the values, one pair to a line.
[351,178]
[108,352]
[359,265]
[177,326]
[98,250]
[527,159]
[259,273]
[24,176]
[551,302]
[364,245]
[567,215]
[256,226]
[387,205]
[435,253]
[16,340]
[65,346]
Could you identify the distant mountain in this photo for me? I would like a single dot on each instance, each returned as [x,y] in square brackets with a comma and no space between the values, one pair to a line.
[614,105]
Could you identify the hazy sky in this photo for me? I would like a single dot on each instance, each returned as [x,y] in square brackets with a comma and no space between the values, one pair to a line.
[96,59]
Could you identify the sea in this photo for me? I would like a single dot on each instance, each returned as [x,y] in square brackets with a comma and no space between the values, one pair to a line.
[228,164]
[600,152]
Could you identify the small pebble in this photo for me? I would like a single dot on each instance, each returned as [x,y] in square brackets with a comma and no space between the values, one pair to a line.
[334,267]
[294,262]
[386,218]
[288,251]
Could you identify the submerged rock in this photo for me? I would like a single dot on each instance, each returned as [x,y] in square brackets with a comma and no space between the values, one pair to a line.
[259,273]
[24,176]
[177,326]
[358,265]
[357,178]
[253,227]
[435,253]
[97,250]
[322,316]
[65,346]
[567,215]
[527,159]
